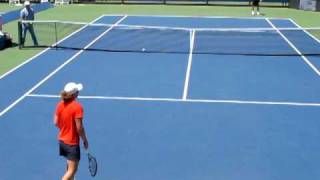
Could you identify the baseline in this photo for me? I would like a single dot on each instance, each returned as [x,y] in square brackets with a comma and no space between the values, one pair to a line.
[283,103]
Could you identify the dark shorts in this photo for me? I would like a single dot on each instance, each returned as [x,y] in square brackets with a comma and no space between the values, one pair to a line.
[69,151]
[255,2]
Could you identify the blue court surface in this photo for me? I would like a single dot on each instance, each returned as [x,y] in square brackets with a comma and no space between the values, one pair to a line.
[170,116]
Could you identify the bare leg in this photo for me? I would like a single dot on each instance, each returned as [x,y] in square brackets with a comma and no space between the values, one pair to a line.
[71,169]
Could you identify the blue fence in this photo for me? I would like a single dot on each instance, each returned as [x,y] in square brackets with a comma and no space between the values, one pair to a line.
[15,14]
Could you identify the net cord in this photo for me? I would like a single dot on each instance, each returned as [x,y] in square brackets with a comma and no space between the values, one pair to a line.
[251,29]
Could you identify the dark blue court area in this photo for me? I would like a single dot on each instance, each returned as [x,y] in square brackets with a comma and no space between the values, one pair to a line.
[171,116]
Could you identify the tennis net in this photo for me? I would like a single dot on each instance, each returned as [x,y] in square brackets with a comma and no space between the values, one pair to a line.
[155,39]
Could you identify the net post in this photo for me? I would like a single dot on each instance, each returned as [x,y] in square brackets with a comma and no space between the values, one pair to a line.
[20,34]
[56,35]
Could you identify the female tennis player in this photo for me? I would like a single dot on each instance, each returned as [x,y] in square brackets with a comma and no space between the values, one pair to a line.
[68,118]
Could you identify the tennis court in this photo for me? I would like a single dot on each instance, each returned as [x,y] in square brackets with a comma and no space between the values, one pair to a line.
[173,116]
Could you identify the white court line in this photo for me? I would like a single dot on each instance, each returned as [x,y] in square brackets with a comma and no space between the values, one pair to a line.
[294,47]
[313,37]
[59,68]
[45,50]
[186,84]
[214,101]
[181,16]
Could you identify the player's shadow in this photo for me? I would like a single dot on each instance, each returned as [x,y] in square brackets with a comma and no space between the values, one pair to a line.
[13,45]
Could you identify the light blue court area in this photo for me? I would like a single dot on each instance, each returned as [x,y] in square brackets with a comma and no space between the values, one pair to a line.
[196,22]
[185,115]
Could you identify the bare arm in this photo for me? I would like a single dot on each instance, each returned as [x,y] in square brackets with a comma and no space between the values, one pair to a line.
[55,120]
[82,132]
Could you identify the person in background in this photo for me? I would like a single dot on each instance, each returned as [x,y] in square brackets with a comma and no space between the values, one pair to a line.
[5,38]
[27,14]
[1,22]
[68,118]
[255,7]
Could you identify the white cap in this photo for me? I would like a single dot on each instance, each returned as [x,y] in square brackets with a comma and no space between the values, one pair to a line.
[73,87]
[26,3]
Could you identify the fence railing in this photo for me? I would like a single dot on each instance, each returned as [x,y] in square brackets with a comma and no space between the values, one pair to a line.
[283,3]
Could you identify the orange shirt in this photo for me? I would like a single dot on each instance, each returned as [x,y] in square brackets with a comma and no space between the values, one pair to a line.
[67,113]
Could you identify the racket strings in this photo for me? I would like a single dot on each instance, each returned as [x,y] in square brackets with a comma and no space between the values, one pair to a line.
[93,166]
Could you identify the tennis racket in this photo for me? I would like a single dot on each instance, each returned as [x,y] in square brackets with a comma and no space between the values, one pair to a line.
[93,165]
